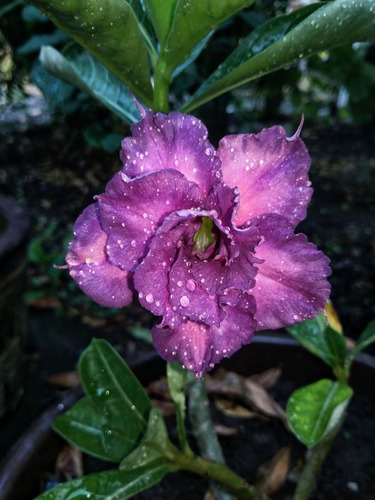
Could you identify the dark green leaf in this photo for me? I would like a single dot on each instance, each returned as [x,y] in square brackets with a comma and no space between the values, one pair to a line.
[286,39]
[112,420]
[366,338]
[81,69]
[111,484]
[156,448]
[35,42]
[321,340]
[89,429]
[192,22]
[111,32]
[177,379]
[315,410]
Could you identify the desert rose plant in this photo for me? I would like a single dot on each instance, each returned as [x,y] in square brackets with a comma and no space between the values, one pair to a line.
[205,238]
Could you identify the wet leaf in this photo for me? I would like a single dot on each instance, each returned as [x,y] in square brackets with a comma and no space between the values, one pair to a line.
[155,448]
[321,340]
[112,419]
[272,475]
[189,23]
[286,39]
[108,484]
[315,410]
[79,68]
[111,32]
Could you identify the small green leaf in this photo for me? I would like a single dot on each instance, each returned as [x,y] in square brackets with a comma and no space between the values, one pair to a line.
[81,69]
[141,334]
[321,340]
[192,22]
[112,420]
[107,485]
[366,338]
[155,448]
[286,39]
[111,32]
[315,410]
[177,379]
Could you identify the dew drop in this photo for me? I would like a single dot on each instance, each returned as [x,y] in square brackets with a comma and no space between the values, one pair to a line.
[190,285]
[149,298]
[184,301]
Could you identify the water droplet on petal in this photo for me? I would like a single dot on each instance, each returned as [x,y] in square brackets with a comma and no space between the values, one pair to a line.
[190,285]
[184,301]
[149,298]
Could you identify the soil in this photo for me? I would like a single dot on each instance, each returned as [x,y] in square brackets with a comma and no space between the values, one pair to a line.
[54,173]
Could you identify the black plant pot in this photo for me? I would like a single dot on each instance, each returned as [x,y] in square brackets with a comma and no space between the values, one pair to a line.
[36,451]
[14,230]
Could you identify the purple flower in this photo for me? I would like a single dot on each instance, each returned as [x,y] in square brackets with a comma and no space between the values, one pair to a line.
[205,237]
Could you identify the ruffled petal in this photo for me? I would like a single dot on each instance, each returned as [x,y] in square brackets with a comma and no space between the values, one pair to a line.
[106,284]
[132,209]
[165,281]
[198,347]
[291,284]
[270,172]
[175,141]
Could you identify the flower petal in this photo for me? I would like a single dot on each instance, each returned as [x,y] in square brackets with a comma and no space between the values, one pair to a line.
[132,209]
[106,284]
[165,281]
[198,347]
[175,141]
[291,284]
[270,172]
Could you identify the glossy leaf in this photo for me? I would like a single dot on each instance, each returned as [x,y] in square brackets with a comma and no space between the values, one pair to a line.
[111,32]
[286,39]
[155,448]
[81,69]
[112,420]
[315,410]
[321,340]
[177,379]
[161,13]
[366,338]
[110,484]
[192,22]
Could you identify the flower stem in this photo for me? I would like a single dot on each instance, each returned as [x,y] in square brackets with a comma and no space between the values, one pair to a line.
[314,462]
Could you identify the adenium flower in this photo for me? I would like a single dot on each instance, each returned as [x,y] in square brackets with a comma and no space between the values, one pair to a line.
[205,237]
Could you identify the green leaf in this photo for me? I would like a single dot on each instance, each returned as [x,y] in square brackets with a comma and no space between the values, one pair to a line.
[156,448]
[112,420]
[286,39]
[108,485]
[315,410]
[191,23]
[177,379]
[321,340]
[111,32]
[161,13]
[141,334]
[79,68]
[366,338]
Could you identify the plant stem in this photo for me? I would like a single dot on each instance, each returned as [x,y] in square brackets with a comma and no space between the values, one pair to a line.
[222,475]
[162,80]
[314,463]
[212,462]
